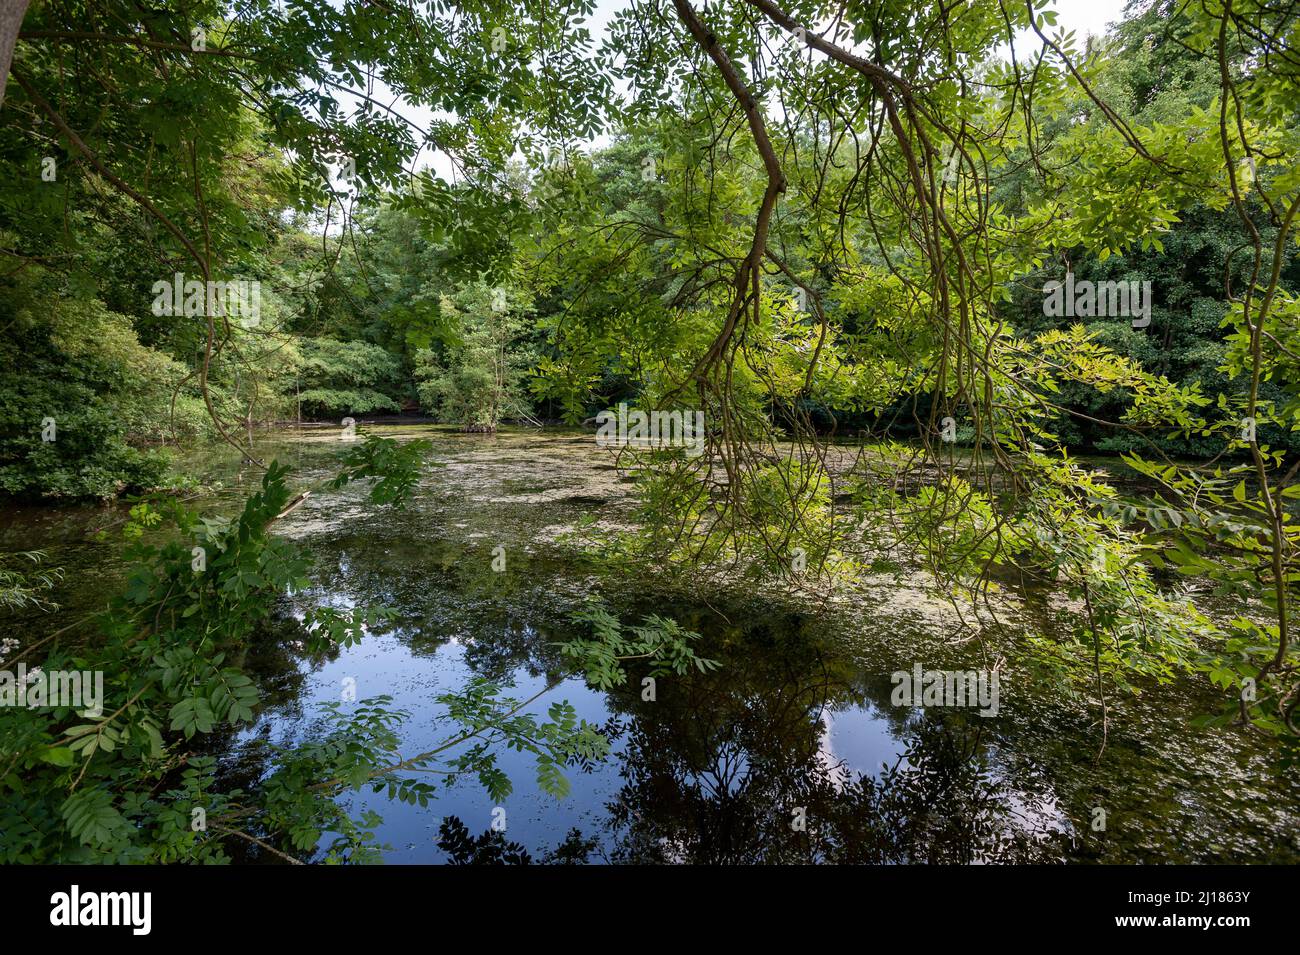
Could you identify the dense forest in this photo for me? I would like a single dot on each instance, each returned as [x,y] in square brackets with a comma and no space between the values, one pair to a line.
[951,288]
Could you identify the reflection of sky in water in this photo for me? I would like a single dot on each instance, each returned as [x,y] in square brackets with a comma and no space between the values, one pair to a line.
[858,739]
[1172,794]
[383,665]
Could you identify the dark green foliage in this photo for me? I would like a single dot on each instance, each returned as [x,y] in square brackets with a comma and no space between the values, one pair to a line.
[339,378]
[78,397]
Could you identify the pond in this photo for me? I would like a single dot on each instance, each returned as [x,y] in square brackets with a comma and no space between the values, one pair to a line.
[790,751]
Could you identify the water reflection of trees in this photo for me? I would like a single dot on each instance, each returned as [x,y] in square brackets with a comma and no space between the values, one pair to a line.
[715,770]
[443,591]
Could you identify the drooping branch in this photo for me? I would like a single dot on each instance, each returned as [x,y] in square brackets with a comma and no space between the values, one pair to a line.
[749,272]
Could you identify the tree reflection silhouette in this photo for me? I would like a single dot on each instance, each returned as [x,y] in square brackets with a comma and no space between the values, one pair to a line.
[717,768]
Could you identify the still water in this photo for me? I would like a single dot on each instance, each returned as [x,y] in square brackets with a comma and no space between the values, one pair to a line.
[790,751]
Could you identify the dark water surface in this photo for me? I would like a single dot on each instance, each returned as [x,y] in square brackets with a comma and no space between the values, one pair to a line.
[797,721]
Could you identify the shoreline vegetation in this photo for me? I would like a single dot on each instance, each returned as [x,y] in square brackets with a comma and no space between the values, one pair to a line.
[977,320]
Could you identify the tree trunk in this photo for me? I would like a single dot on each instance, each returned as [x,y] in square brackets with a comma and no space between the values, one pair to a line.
[11,18]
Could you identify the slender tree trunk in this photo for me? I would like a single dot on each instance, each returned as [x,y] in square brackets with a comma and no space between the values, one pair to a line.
[11,18]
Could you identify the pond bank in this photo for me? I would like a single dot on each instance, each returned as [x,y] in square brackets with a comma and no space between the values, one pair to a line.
[791,751]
